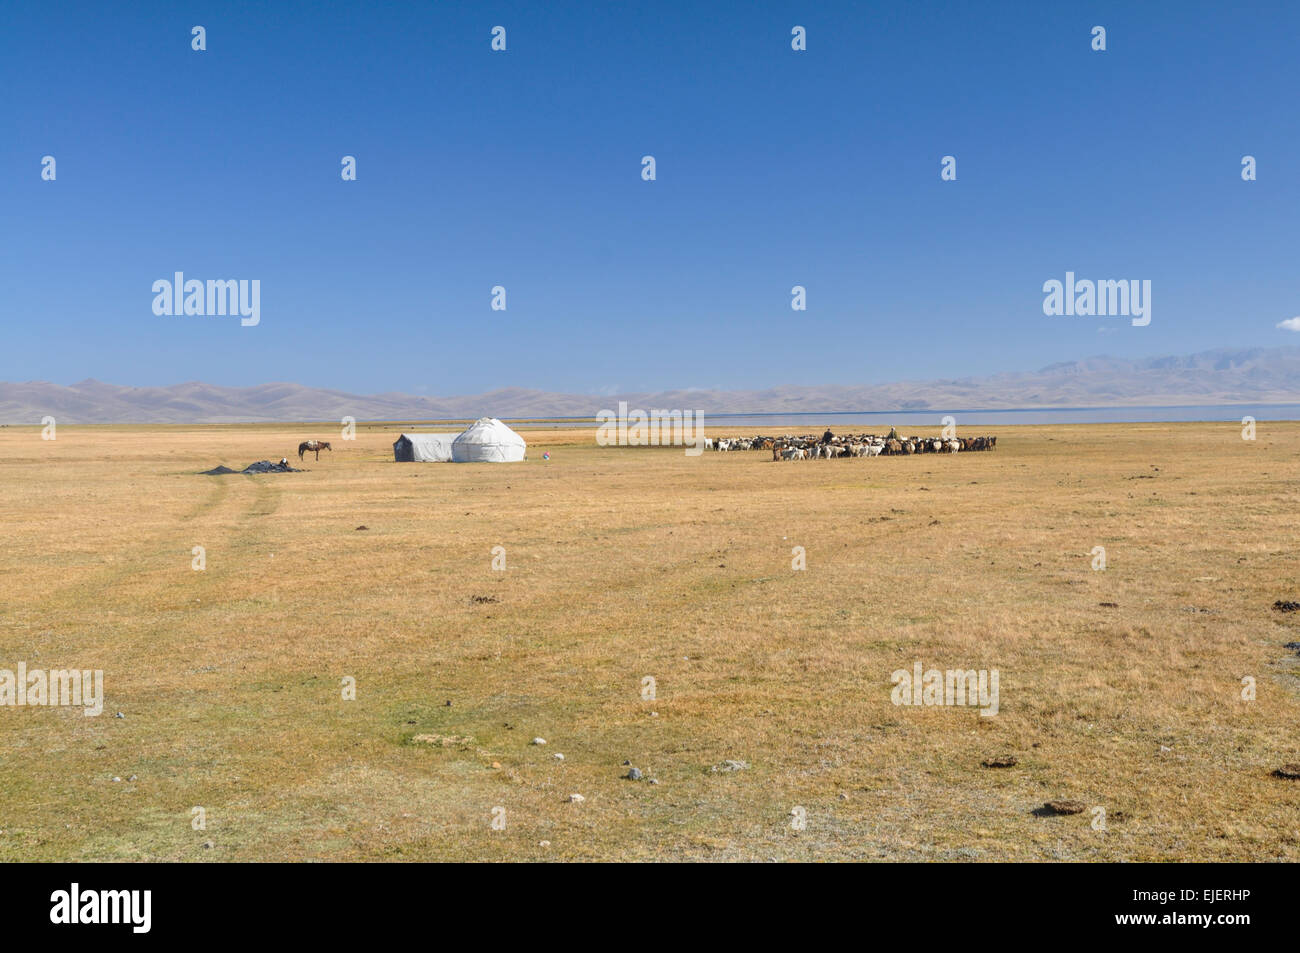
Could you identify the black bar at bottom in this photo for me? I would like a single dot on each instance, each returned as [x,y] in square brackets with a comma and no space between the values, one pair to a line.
[949,903]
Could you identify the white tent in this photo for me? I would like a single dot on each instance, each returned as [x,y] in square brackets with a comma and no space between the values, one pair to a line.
[423,447]
[488,440]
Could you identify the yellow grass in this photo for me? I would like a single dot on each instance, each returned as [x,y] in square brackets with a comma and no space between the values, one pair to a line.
[625,563]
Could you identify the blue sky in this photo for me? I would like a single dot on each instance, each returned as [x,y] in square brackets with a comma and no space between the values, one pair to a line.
[522,169]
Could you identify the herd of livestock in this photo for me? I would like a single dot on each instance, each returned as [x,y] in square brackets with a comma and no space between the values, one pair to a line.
[852,445]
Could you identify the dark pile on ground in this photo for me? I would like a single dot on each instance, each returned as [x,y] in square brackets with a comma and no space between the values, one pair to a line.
[261,466]
[266,466]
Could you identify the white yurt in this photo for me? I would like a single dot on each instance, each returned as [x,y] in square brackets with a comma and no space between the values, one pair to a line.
[423,447]
[488,440]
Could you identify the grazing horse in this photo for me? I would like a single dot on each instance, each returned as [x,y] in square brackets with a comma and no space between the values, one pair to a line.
[308,446]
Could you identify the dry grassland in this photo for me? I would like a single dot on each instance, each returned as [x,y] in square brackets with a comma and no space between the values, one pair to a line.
[623,563]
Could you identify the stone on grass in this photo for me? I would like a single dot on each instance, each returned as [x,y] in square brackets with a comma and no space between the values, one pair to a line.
[728,766]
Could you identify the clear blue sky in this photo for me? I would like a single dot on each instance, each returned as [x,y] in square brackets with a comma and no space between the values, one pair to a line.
[522,168]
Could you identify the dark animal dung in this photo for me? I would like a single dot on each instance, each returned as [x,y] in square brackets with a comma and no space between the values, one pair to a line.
[1065,807]
[1001,761]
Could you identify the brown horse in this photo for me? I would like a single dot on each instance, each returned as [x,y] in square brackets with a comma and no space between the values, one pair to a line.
[307,446]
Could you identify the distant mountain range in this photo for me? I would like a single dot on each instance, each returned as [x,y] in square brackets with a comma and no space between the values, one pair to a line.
[1260,375]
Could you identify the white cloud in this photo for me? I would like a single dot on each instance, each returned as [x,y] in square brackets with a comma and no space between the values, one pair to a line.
[1290,324]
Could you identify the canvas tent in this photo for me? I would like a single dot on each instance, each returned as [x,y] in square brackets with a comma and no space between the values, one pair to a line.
[423,447]
[488,440]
